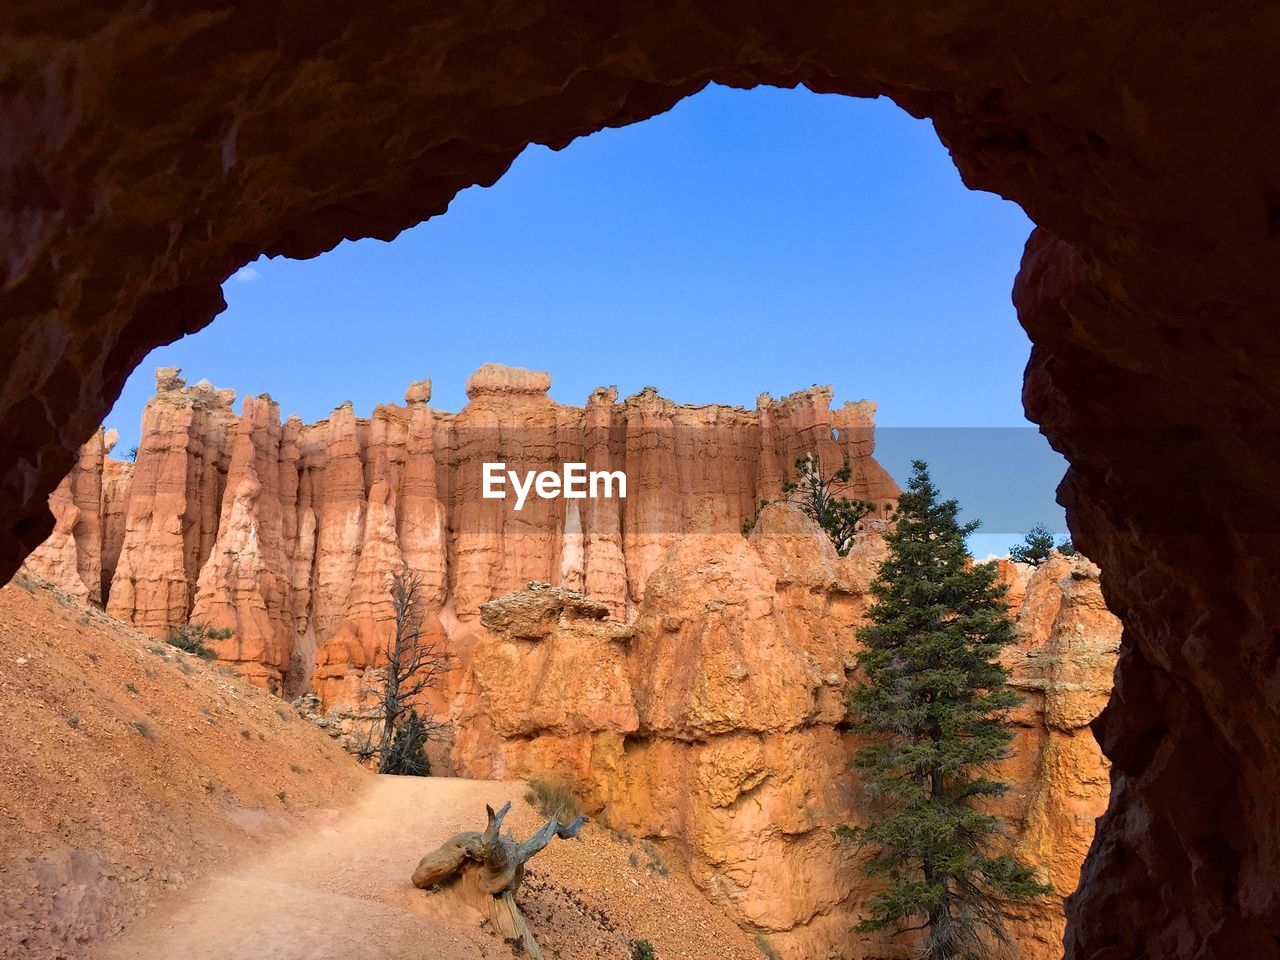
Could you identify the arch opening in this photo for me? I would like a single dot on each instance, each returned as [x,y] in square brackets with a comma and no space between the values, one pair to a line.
[1146,288]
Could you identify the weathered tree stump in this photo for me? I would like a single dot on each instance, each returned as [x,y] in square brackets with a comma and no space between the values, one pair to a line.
[486,870]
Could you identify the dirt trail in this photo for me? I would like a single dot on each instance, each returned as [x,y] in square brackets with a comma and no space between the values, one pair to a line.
[129,770]
[340,892]
[134,778]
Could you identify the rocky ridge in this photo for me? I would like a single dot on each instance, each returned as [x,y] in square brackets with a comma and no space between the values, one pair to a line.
[687,682]
[286,532]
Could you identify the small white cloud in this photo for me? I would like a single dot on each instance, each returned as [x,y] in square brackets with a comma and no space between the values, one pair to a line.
[245,275]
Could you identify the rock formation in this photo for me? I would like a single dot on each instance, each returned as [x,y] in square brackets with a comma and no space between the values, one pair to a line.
[152,150]
[715,721]
[76,556]
[286,533]
[696,697]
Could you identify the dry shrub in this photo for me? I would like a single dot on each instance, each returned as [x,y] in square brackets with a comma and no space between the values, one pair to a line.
[552,799]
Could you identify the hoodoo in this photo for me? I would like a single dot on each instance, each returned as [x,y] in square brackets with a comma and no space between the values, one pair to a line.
[685,681]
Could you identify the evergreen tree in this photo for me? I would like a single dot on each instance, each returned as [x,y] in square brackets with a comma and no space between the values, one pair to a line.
[407,755]
[934,702]
[1037,544]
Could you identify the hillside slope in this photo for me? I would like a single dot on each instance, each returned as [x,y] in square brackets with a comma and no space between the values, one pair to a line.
[137,780]
[128,769]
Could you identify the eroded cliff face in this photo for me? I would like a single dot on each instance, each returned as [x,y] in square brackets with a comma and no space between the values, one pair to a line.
[286,532]
[687,681]
[714,721]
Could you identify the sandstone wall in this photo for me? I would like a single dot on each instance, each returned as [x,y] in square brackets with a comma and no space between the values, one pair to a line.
[286,532]
[688,682]
[714,722]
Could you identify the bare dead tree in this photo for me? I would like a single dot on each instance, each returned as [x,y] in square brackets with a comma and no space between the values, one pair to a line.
[486,869]
[414,665]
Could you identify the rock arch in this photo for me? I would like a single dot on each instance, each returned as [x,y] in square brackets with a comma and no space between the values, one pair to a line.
[152,150]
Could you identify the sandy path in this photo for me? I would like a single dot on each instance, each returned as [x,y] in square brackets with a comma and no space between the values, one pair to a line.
[339,891]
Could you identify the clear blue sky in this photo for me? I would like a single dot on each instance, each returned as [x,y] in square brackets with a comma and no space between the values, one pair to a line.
[750,241]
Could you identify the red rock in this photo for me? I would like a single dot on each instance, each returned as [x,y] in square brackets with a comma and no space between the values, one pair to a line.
[715,721]
[71,558]
[713,718]
[287,533]
[171,520]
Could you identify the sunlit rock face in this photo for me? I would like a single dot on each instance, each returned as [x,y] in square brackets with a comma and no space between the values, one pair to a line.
[715,721]
[73,556]
[697,696]
[287,532]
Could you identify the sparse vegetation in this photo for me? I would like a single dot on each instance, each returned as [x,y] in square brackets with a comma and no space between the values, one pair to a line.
[194,638]
[132,455]
[415,664]
[550,799]
[144,729]
[130,687]
[642,950]
[73,721]
[656,864]
[408,756]
[1036,546]
[821,498]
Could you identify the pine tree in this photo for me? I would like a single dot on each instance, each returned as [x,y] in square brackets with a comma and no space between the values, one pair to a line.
[1038,544]
[407,756]
[933,701]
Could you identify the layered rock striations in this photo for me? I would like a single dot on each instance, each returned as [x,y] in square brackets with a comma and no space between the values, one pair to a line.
[76,556]
[286,532]
[715,722]
[686,681]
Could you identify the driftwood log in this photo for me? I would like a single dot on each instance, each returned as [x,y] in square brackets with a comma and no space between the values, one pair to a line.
[485,869]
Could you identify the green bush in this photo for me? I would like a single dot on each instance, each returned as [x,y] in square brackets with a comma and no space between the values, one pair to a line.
[642,950]
[193,638]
